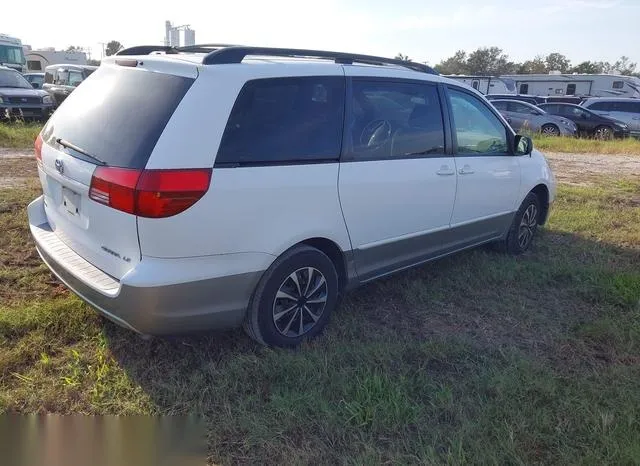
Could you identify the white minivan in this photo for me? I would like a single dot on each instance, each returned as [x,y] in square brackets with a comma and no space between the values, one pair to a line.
[218,186]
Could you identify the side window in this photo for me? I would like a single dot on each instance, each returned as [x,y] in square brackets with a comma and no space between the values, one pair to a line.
[477,129]
[618,84]
[520,108]
[394,119]
[285,120]
[48,77]
[75,78]
[61,77]
[552,109]
[34,65]
[475,84]
[571,89]
[600,106]
[524,89]
[578,112]
[628,107]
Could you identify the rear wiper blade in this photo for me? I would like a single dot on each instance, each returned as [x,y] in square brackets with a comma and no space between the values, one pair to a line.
[68,145]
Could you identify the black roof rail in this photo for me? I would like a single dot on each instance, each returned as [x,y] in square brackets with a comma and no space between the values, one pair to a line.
[235,54]
[203,48]
[147,49]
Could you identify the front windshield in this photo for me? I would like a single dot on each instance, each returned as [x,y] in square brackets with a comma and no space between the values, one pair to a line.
[11,55]
[13,79]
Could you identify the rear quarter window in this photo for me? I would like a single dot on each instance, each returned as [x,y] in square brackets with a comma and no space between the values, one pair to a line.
[118,114]
[283,120]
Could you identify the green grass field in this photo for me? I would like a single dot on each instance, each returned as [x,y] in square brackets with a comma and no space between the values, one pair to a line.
[477,358]
[19,135]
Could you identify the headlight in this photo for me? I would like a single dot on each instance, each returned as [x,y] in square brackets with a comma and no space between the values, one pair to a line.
[47,99]
[1,101]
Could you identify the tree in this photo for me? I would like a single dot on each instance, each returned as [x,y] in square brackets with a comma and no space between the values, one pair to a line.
[402,57]
[537,65]
[624,66]
[74,48]
[557,62]
[113,47]
[589,67]
[457,64]
[489,61]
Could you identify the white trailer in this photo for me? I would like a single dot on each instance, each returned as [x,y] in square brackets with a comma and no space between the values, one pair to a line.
[11,53]
[487,84]
[596,85]
[38,60]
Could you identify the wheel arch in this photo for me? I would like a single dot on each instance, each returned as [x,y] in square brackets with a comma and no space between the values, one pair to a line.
[335,253]
[542,192]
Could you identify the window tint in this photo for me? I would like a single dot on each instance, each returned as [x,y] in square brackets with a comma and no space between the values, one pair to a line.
[521,108]
[618,84]
[628,107]
[601,106]
[109,116]
[477,129]
[285,120]
[552,108]
[395,119]
[578,112]
[524,89]
[500,105]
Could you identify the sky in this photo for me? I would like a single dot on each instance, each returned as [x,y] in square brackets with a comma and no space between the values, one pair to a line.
[425,30]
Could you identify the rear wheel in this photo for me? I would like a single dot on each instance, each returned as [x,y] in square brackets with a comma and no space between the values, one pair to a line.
[294,298]
[524,226]
[603,132]
[550,130]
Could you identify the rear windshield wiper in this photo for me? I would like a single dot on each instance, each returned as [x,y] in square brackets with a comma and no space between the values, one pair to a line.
[68,145]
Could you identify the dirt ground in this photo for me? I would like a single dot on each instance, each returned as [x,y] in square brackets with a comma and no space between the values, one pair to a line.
[17,167]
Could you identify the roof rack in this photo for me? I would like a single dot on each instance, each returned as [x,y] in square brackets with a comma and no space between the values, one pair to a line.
[218,54]
[235,54]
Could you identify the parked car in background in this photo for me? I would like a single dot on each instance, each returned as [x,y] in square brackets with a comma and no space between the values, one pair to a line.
[589,123]
[163,235]
[61,80]
[622,109]
[523,116]
[569,99]
[18,99]
[531,99]
[35,79]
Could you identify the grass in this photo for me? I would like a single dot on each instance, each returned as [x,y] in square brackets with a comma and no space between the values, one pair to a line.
[19,135]
[477,358]
[629,146]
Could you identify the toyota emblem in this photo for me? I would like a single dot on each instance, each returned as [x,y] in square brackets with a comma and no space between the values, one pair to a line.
[59,166]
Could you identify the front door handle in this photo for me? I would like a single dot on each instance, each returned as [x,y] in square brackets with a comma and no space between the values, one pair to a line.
[445,171]
[466,170]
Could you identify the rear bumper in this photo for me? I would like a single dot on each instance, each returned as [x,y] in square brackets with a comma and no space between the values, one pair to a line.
[209,303]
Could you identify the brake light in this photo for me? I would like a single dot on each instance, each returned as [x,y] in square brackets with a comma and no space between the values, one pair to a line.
[37,145]
[149,193]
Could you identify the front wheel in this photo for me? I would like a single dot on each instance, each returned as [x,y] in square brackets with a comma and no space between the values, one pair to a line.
[294,298]
[550,130]
[524,226]
[603,132]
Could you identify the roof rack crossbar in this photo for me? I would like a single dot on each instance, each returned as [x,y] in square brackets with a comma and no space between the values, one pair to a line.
[235,54]
[147,49]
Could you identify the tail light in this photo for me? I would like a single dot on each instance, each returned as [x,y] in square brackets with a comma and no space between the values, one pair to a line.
[37,145]
[149,193]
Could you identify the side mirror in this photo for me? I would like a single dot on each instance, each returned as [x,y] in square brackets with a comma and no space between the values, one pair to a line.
[35,85]
[523,145]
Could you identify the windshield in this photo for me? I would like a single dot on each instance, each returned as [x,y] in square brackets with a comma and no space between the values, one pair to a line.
[11,54]
[13,79]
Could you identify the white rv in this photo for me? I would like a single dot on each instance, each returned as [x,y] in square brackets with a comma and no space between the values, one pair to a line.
[38,60]
[487,84]
[596,85]
[11,53]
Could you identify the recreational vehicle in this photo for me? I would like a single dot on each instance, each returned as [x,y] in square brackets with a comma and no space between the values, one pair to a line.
[11,54]
[487,84]
[38,60]
[596,85]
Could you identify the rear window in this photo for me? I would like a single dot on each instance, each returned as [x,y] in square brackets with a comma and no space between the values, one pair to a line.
[283,120]
[118,114]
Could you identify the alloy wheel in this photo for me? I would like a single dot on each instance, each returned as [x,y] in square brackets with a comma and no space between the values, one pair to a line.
[527,226]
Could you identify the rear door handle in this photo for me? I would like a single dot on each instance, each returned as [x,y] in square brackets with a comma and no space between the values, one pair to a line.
[445,171]
[466,170]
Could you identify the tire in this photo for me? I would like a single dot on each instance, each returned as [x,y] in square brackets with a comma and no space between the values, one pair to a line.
[286,301]
[550,130]
[523,227]
[603,132]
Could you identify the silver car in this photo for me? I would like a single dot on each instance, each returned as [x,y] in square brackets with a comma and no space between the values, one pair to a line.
[523,116]
[623,109]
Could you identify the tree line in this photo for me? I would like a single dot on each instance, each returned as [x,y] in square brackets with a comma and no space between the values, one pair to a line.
[492,61]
